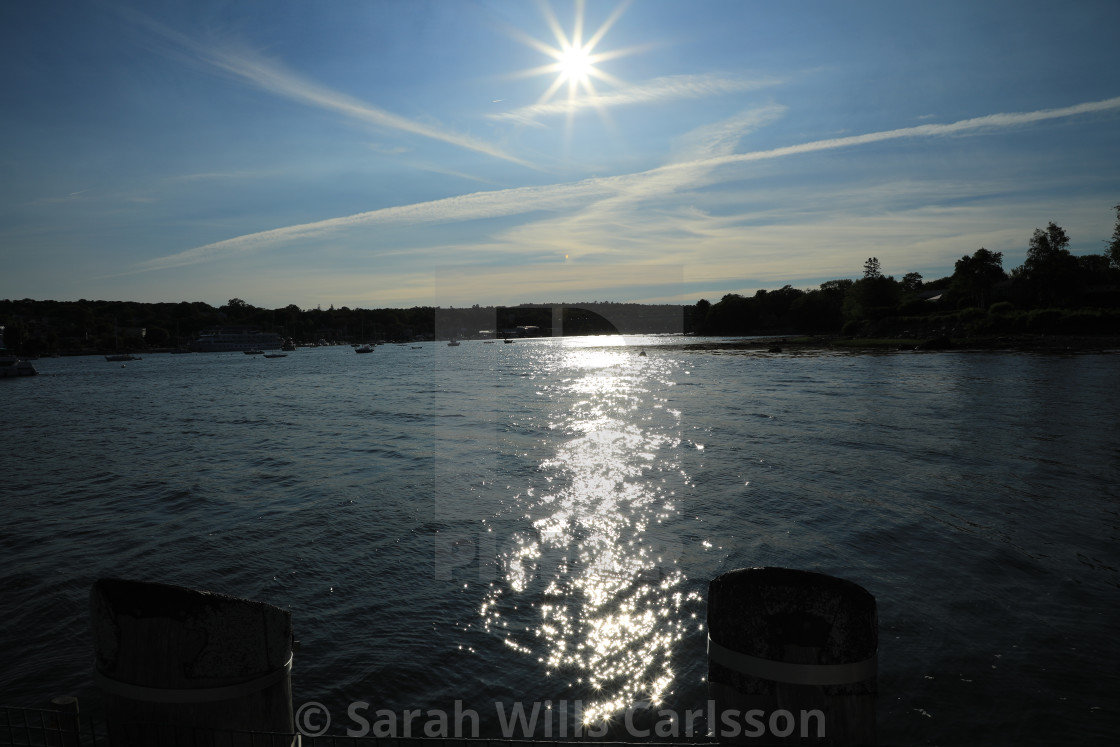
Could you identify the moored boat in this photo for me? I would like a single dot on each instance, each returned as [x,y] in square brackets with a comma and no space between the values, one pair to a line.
[120,357]
[12,366]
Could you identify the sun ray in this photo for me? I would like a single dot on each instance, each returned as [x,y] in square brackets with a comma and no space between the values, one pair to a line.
[606,78]
[551,90]
[626,52]
[553,24]
[577,27]
[533,72]
[602,30]
[574,61]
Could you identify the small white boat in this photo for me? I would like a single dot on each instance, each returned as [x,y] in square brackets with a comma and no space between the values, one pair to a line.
[119,357]
[364,349]
[452,343]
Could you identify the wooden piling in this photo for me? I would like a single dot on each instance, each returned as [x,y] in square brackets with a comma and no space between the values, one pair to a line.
[788,641]
[61,728]
[192,662]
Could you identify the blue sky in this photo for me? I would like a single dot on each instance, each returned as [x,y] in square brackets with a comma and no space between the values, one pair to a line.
[412,153]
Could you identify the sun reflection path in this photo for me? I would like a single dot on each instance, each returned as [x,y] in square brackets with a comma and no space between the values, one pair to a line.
[596,560]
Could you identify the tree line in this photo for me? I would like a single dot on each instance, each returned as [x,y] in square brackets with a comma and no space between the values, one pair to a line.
[1053,290]
[73,327]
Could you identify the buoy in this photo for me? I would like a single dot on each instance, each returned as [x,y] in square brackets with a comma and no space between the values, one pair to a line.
[795,649]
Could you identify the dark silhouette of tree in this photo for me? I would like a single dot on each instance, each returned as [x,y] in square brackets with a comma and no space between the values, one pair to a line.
[236,309]
[156,337]
[772,308]
[1094,267]
[1051,274]
[973,277]
[871,298]
[911,282]
[1049,242]
[1114,245]
[837,286]
[821,311]
[731,315]
[700,315]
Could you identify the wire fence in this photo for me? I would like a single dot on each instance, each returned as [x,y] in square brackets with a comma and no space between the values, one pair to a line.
[34,726]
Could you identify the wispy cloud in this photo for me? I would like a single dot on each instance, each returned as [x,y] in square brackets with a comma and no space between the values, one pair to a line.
[592,204]
[275,78]
[219,176]
[658,90]
[697,157]
[722,137]
[474,206]
[989,122]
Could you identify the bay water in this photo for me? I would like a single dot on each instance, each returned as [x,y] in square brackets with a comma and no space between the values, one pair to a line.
[538,522]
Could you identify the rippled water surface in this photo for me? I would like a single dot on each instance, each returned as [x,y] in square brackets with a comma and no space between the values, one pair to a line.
[539,521]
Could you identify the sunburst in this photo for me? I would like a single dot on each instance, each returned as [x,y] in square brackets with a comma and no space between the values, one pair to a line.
[575,61]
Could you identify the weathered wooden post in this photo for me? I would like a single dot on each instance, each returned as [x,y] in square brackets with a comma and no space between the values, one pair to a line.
[62,726]
[791,658]
[175,664]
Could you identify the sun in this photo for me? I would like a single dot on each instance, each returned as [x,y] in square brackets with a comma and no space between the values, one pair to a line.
[575,65]
[574,60]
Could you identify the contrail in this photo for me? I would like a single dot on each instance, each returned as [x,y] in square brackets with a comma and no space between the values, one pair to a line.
[554,197]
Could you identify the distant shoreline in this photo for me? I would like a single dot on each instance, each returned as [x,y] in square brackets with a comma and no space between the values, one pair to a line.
[1021,343]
